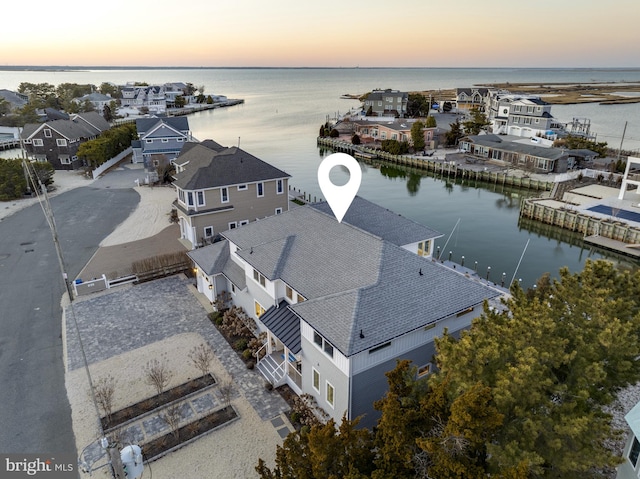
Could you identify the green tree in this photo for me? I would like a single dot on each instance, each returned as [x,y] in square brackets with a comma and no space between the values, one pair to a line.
[355,139]
[109,89]
[454,134]
[573,142]
[431,122]
[395,147]
[417,136]
[551,364]
[476,122]
[417,105]
[12,180]
[324,452]
[5,107]
[180,101]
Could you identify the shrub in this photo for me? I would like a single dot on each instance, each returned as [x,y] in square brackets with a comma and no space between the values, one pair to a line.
[240,344]
[215,317]
[246,354]
[355,139]
[334,133]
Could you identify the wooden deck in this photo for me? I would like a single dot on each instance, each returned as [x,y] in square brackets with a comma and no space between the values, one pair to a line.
[632,250]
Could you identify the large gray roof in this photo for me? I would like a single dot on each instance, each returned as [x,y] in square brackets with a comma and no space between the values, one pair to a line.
[382,222]
[537,151]
[180,123]
[82,125]
[353,280]
[208,168]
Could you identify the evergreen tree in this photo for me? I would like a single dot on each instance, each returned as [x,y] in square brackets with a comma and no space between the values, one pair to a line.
[417,136]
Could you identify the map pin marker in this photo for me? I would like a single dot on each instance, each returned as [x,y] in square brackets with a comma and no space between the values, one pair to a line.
[339,197]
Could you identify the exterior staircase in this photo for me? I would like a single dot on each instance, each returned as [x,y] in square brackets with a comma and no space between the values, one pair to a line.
[272,371]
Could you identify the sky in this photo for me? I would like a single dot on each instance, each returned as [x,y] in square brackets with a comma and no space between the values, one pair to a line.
[328,33]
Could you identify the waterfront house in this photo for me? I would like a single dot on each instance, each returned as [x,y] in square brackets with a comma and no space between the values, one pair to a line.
[527,156]
[160,136]
[340,302]
[15,100]
[153,98]
[522,115]
[396,130]
[386,103]
[57,141]
[222,188]
[469,98]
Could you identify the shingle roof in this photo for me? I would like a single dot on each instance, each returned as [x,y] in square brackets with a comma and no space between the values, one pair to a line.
[208,168]
[537,151]
[83,125]
[353,280]
[382,222]
[179,123]
[212,258]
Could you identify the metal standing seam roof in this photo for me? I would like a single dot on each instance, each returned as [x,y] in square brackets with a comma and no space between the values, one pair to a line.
[207,168]
[284,324]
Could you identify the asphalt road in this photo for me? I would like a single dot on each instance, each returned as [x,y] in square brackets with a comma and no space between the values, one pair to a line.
[35,415]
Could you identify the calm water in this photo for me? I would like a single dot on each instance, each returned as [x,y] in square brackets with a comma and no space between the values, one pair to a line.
[284,109]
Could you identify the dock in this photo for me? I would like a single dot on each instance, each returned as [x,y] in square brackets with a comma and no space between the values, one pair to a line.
[632,250]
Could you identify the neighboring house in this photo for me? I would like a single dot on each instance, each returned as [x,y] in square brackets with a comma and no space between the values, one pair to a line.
[525,156]
[469,98]
[98,100]
[526,116]
[160,136]
[387,103]
[14,99]
[630,468]
[397,130]
[57,141]
[151,97]
[340,302]
[222,188]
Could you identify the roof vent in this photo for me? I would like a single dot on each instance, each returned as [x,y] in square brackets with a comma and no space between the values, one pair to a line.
[361,334]
[420,272]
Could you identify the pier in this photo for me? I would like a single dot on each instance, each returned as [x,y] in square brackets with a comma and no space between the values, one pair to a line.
[458,169]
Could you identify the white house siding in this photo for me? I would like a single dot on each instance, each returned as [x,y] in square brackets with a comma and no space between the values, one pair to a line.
[339,360]
[313,357]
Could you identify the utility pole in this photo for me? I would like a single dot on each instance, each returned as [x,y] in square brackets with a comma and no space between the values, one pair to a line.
[621,140]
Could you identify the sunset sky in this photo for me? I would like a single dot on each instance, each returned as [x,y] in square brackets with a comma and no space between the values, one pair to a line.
[373,33]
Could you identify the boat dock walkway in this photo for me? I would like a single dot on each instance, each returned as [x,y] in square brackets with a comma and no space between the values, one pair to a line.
[627,249]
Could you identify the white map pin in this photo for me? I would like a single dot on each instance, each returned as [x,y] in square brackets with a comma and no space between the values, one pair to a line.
[339,197]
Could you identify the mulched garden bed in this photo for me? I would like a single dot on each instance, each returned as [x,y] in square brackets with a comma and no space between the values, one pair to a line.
[174,440]
[146,405]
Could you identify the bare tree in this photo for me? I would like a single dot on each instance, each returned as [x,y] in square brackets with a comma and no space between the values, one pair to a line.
[201,357]
[158,374]
[226,391]
[105,390]
[172,417]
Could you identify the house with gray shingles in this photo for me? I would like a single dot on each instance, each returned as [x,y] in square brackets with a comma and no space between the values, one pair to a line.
[160,136]
[340,302]
[469,98]
[387,103]
[525,156]
[221,188]
[98,100]
[521,115]
[57,141]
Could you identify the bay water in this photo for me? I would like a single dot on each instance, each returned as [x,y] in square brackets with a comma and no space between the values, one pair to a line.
[284,109]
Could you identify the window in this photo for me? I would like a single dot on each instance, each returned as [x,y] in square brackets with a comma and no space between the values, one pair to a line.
[61,142]
[260,189]
[190,198]
[224,195]
[65,160]
[242,187]
[181,195]
[316,380]
[208,231]
[243,222]
[259,309]
[634,452]
[330,394]
[233,225]
[424,370]
[148,141]
[47,133]
[300,299]
[37,142]
[259,278]
[423,248]
[278,211]
[289,292]
[279,187]
[323,344]
[200,196]
[233,288]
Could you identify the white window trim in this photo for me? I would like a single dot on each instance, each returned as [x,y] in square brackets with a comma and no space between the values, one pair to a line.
[279,187]
[190,198]
[222,190]
[258,186]
[232,225]
[47,133]
[165,140]
[38,142]
[61,142]
[242,187]
[315,371]
[243,222]
[278,211]
[326,394]
[65,161]
[204,198]
[208,228]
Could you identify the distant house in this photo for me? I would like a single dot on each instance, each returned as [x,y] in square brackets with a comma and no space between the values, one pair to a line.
[387,103]
[340,302]
[14,99]
[222,188]
[469,98]
[522,115]
[57,141]
[98,100]
[152,98]
[397,130]
[525,155]
[160,136]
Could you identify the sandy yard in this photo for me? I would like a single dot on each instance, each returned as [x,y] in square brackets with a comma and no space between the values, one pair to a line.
[229,452]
